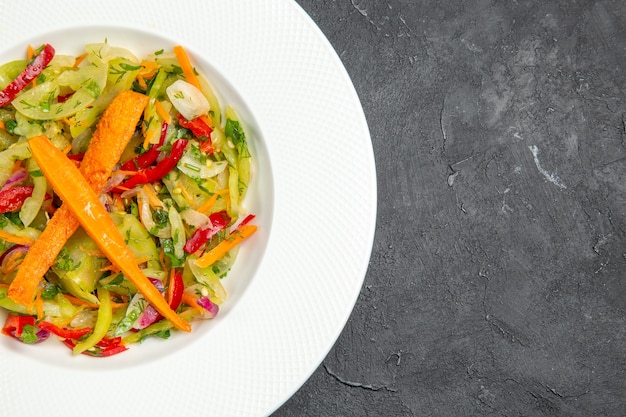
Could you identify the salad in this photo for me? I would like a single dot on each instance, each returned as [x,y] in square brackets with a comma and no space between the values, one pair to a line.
[121,189]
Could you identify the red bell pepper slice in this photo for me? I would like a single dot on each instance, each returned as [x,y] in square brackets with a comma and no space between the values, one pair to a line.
[64,332]
[246,220]
[197,126]
[200,130]
[100,351]
[12,198]
[175,289]
[149,157]
[32,70]
[15,323]
[159,170]
[201,235]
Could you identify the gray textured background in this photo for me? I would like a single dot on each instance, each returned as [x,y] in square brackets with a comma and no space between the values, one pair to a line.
[496,285]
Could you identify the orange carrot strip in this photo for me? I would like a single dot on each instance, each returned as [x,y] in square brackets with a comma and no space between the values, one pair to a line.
[18,240]
[30,52]
[185,65]
[2,125]
[226,245]
[79,59]
[190,300]
[16,165]
[153,199]
[79,302]
[113,133]
[204,208]
[11,262]
[74,190]
[39,306]
[164,114]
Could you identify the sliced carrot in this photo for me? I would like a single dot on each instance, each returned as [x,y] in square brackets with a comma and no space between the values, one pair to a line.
[190,300]
[153,199]
[113,133]
[79,302]
[18,240]
[226,245]
[185,66]
[79,59]
[39,306]
[30,52]
[164,114]
[74,190]
[204,208]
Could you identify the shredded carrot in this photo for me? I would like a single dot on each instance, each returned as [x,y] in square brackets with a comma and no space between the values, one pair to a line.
[153,199]
[114,268]
[79,59]
[79,302]
[185,65]
[18,240]
[67,149]
[16,166]
[4,285]
[122,172]
[190,300]
[116,127]
[164,114]
[69,122]
[39,306]
[67,181]
[2,126]
[11,262]
[118,203]
[142,83]
[151,136]
[235,238]
[204,208]
[30,53]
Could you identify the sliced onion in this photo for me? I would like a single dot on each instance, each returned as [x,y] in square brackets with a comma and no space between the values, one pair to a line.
[187,99]
[115,180]
[12,249]
[17,177]
[211,309]
[195,218]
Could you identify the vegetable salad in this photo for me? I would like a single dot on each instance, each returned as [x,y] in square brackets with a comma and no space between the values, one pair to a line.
[121,188]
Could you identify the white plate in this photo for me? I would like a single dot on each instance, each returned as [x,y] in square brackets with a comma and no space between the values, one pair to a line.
[314,192]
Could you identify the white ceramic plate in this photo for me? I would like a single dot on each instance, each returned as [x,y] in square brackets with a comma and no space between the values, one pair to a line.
[314,192]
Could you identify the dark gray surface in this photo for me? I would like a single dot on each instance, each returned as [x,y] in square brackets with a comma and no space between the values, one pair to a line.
[496,285]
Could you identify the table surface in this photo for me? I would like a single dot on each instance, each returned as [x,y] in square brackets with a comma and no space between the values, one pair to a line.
[496,285]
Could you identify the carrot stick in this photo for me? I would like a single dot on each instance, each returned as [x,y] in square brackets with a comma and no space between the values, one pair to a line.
[74,190]
[226,245]
[18,240]
[185,65]
[114,131]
